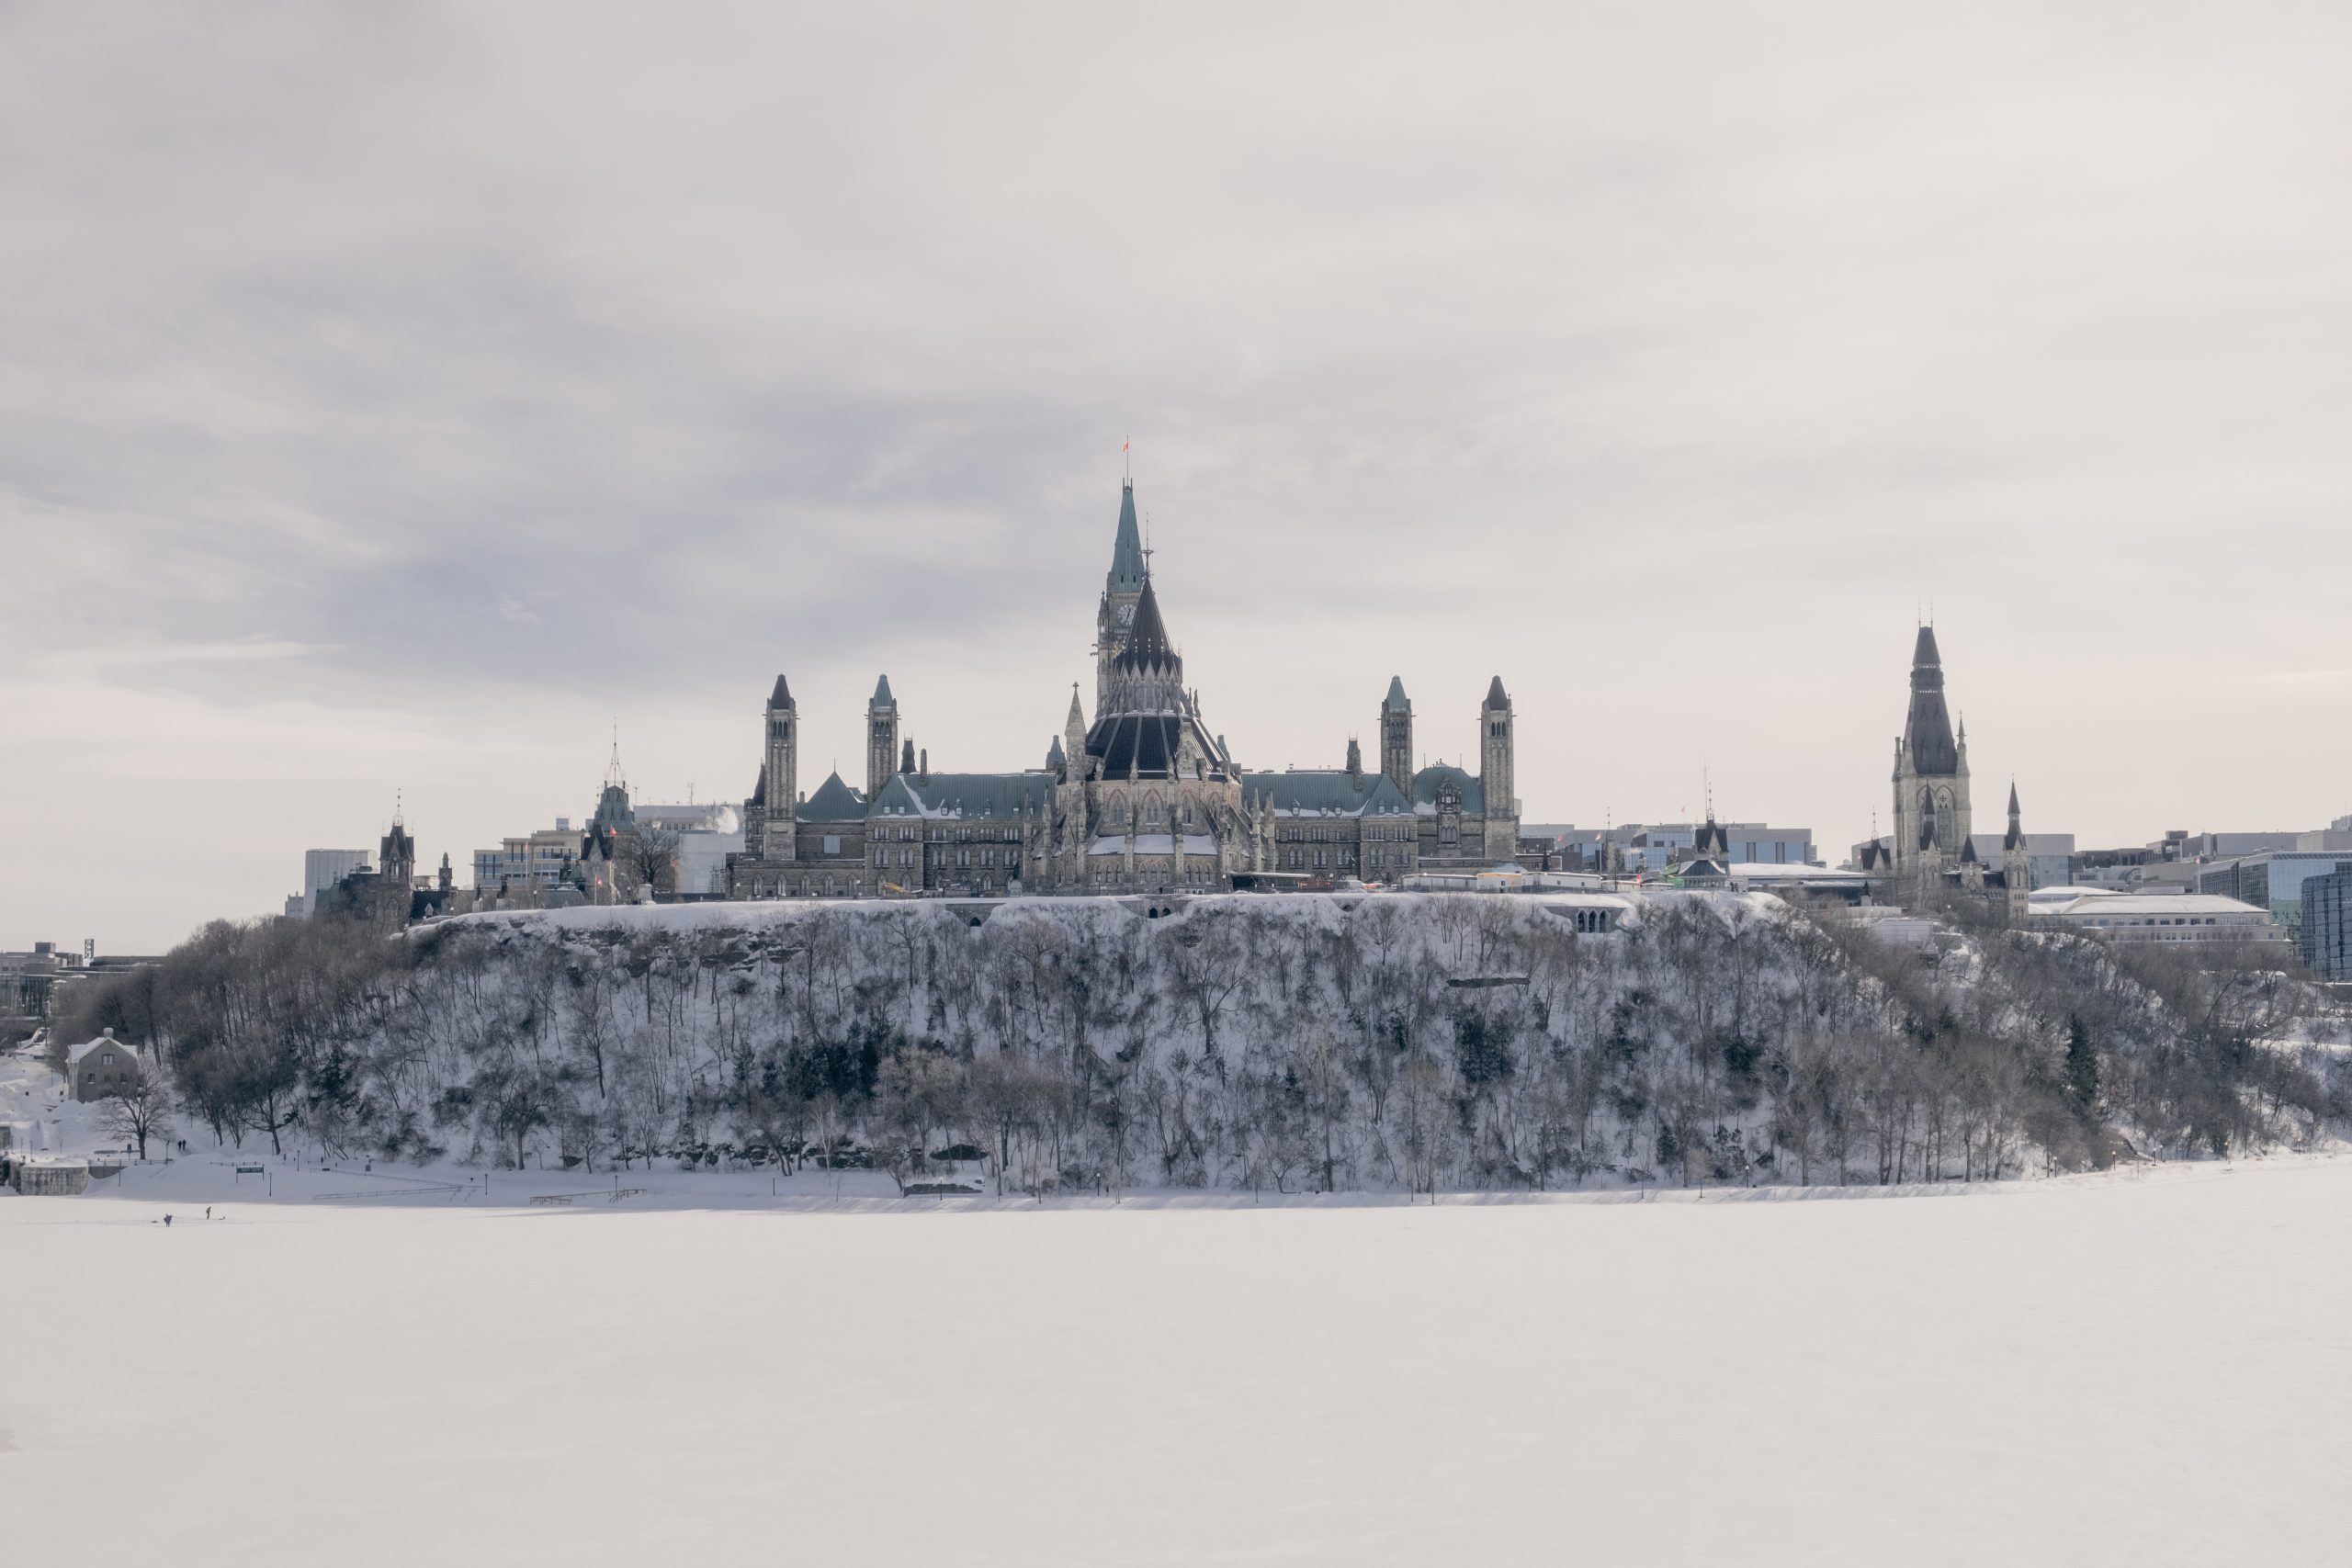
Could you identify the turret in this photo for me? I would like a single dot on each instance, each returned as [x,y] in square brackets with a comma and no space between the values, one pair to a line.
[1355,763]
[1074,736]
[2016,865]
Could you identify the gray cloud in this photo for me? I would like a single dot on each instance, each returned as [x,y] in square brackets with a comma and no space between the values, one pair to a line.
[513,369]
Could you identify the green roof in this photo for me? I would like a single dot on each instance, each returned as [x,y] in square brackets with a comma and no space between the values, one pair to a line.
[969,795]
[1332,791]
[1473,793]
[834,801]
[1126,555]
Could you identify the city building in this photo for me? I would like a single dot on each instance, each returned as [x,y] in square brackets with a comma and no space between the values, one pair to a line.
[322,869]
[700,839]
[2162,916]
[2273,880]
[2324,926]
[542,858]
[30,981]
[1636,848]
[1143,796]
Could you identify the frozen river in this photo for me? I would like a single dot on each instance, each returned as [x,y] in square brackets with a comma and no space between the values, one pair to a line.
[2142,1372]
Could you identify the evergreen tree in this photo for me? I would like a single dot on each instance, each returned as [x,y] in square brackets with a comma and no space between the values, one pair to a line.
[2082,1065]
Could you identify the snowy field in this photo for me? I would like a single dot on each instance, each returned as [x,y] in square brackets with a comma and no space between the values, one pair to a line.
[2114,1370]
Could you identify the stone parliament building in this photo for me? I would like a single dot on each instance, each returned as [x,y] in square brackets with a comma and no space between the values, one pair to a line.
[1144,797]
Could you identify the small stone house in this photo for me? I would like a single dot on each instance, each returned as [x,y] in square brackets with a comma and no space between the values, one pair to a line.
[102,1068]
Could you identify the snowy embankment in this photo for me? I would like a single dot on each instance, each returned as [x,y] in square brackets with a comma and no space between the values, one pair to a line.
[2097,1371]
[1244,1043]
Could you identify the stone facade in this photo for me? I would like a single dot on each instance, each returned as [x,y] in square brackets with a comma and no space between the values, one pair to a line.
[1931,809]
[1144,797]
[1932,850]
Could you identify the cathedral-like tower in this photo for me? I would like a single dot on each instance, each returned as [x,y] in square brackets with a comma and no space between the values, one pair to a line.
[1931,812]
[396,860]
[780,775]
[2016,871]
[1121,592]
[881,737]
[1495,781]
[1396,736]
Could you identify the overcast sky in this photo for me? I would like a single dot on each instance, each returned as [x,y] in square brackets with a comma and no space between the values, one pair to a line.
[392,398]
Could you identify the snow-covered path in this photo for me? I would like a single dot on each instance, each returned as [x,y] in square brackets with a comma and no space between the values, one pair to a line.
[2147,1371]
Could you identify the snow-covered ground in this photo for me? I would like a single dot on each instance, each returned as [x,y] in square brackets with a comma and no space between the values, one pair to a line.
[2121,1370]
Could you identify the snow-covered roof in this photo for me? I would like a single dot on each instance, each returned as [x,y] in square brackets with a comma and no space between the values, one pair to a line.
[2119,905]
[75,1053]
[1326,792]
[1426,781]
[1154,845]
[1773,871]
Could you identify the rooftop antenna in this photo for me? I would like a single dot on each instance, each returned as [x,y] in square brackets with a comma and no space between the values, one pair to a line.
[396,807]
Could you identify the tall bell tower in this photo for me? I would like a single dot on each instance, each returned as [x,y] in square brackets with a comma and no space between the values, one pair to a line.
[1396,736]
[881,737]
[781,776]
[1496,745]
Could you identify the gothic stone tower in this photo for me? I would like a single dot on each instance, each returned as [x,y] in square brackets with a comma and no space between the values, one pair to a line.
[1396,736]
[1495,781]
[2016,873]
[881,737]
[780,775]
[1122,591]
[1931,814]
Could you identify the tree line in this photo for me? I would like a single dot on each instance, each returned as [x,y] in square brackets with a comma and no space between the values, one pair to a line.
[1416,1044]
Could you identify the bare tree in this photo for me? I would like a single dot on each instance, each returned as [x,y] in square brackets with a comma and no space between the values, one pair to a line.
[139,1113]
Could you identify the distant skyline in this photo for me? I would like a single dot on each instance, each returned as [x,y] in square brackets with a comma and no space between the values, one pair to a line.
[396,397]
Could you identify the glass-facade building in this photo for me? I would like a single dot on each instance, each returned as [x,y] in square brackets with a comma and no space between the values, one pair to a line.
[2273,881]
[2326,923]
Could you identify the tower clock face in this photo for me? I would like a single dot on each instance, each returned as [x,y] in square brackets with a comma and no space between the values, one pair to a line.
[1127,615]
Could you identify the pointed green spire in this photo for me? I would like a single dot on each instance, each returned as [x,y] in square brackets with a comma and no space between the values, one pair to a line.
[1126,555]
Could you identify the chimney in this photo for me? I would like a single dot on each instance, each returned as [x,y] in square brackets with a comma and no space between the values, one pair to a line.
[924,763]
